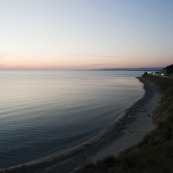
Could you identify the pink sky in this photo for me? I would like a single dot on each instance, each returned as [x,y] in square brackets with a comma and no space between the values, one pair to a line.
[95,34]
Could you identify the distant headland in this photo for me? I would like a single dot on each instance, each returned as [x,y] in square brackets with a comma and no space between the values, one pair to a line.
[134,69]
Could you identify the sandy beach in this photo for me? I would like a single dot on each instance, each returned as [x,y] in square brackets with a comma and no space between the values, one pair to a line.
[129,130]
[136,126]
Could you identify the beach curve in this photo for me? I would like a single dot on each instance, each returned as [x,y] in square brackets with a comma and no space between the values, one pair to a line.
[115,139]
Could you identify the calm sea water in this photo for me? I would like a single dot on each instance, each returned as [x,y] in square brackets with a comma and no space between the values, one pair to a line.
[46,111]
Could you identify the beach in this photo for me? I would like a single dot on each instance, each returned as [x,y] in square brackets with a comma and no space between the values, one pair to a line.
[129,130]
[136,126]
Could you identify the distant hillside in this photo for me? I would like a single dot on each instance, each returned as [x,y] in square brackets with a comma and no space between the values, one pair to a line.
[134,69]
[167,71]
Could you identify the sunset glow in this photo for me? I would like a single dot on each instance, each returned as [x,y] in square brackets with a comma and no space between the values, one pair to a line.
[90,34]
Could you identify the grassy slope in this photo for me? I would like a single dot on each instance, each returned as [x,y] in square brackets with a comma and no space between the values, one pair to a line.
[155,152]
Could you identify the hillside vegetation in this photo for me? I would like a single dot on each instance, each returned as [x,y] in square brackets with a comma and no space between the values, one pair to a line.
[155,152]
[168,71]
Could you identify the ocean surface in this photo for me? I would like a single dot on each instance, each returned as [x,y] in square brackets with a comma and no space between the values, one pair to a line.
[42,112]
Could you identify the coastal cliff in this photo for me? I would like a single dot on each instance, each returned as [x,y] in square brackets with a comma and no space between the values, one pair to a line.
[155,152]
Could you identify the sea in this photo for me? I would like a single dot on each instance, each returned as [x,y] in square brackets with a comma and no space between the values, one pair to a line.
[47,111]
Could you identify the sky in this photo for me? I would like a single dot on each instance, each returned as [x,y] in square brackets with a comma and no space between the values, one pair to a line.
[86,33]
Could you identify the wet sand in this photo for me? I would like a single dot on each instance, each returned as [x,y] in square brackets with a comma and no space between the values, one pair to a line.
[129,130]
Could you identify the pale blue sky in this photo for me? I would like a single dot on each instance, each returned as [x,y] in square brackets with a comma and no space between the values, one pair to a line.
[75,33]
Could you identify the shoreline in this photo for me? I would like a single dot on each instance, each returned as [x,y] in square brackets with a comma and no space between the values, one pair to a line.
[137,124]
[95,139]
[85,147]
